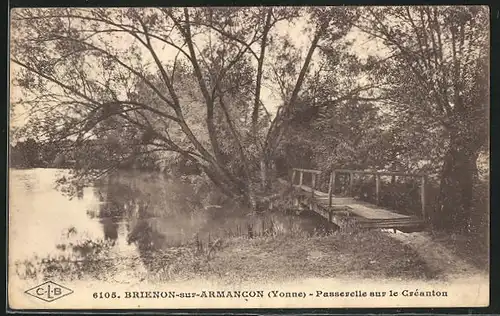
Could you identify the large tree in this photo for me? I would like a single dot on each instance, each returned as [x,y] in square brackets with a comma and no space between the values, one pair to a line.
[439,71]
[183,80]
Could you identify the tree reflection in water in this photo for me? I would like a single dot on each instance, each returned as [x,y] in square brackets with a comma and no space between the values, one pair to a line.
[153,212]
[162,214]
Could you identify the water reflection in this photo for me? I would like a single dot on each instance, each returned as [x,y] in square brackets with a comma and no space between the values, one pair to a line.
[142,216]
[110,228]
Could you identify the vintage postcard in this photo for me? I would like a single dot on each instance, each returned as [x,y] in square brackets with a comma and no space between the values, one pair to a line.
[249,157]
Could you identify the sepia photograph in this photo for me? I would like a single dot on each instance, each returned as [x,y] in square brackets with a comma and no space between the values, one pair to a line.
[249,157]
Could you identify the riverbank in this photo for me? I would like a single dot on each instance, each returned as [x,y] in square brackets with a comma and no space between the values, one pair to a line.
[278,258]
[376,255]
[285,258]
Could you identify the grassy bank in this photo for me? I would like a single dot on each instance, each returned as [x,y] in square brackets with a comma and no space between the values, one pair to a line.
[268,258]
[363,255]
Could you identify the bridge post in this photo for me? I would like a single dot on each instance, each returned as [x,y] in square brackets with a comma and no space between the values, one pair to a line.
[301,177]
[422,197]
[293,176]
[313,184]
[351,183]
[377,188]
[331,188]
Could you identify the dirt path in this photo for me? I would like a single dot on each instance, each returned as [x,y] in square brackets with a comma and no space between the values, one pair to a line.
[437,256]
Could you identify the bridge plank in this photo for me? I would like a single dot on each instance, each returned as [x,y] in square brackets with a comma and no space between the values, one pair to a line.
[374,212]
[359,208]
[355,212]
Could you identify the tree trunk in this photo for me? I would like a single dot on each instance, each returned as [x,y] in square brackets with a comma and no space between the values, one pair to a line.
[281,122]
[263,173]
[456,189]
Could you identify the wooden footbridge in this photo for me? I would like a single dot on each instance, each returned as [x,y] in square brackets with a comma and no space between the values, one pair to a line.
[348,212]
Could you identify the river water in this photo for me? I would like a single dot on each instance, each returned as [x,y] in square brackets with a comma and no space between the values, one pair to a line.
[127,215]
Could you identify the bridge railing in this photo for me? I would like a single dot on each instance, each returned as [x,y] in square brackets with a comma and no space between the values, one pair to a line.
[316,174]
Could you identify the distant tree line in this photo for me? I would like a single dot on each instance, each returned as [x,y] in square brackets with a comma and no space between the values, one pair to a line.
[32,154]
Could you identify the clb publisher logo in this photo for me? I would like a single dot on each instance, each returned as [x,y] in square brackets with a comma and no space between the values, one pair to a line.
[49,291]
